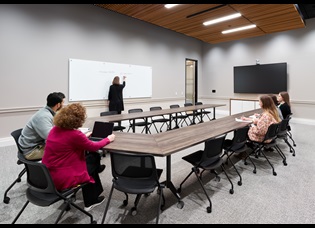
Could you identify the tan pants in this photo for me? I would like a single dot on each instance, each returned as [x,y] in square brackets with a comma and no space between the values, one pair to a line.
[37,153]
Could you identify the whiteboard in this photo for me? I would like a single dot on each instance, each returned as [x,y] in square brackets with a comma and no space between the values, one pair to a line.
[90,80]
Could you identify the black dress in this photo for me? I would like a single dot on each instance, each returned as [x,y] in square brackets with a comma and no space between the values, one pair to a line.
[115,97]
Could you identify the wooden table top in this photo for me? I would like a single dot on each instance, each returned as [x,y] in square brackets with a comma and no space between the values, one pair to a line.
[169,142]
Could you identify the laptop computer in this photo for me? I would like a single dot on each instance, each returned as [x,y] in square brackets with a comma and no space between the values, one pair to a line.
[101,130]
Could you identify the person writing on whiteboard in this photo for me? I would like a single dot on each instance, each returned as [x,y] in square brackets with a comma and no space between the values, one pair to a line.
[115,95]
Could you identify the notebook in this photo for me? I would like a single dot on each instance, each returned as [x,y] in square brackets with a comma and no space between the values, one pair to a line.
[101,130]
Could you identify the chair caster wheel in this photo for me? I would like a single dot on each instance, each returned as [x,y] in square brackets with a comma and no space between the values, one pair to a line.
[133,211]
[285,163]
[231,191]
[180,204]
[6,200]
[125,202]
[274,173]
[94,222]
[68,208]
[245,163]
[217,178]
[254,171]
[239,183]
[208,209]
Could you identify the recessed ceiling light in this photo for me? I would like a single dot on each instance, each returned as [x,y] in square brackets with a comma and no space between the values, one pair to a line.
[222,19]
[238,29]
[170,5]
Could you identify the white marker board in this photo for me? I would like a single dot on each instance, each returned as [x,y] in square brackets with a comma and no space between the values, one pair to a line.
[90,80]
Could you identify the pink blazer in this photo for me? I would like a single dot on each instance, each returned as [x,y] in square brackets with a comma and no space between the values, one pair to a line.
[64,156]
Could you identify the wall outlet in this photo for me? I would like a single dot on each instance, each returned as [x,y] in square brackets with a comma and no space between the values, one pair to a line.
[213,91]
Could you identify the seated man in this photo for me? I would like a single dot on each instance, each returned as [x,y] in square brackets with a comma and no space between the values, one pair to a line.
[34,134]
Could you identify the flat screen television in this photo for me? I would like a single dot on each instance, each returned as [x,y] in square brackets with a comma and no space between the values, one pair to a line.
[260,78]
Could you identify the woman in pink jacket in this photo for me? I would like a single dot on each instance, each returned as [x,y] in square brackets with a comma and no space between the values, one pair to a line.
[65,157]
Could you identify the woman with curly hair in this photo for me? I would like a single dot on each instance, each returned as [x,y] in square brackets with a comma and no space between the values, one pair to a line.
[65,156]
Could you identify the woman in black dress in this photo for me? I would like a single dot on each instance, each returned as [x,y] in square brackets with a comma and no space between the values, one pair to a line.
[284,104]
[115,95]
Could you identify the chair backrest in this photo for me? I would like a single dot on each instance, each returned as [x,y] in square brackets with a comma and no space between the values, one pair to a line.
[240,138]
[188,104]
[283,126]
[38,177]
[134,110]
[289,116]
[133,166]
[155,108]
[174,106]
[108,113]
[272,132]
[16,135]
[213,149]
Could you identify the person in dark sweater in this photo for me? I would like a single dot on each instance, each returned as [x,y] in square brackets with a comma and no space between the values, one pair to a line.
[284,103]
[115,95]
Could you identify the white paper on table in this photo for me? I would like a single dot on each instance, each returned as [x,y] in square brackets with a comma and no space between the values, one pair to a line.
[245,121]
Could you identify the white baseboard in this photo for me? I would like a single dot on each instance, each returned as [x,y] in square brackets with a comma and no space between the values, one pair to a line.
[9,141]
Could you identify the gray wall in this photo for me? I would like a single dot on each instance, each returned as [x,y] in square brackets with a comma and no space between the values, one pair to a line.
[38,40]
[296,47]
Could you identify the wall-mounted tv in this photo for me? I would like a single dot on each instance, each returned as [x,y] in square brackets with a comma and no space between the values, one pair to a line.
[260,78]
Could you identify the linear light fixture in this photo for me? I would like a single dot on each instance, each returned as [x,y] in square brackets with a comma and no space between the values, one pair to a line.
[170,5]
[238,29]
[222,19]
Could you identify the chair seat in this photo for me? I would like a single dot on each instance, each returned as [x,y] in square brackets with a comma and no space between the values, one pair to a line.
[41,199]
[119,128]
[195,159]
[237,148]
[140,124]
[160,120]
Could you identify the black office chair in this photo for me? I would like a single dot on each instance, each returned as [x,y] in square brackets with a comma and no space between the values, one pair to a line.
[41,191]
[116,127]
[203,112]
[268,142]
[180,116]
[283,134]
[236,145]
[159,119]
[16,134]
[139,122]
[289,131]
[135,174]
[207,159]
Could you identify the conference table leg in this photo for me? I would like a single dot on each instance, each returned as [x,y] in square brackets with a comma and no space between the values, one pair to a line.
[176,122]
[169,184]
[213,113]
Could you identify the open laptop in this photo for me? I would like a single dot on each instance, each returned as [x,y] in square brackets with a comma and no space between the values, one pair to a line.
[101,130]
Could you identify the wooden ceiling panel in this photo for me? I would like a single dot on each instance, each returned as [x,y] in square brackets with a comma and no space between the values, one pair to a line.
[188,18]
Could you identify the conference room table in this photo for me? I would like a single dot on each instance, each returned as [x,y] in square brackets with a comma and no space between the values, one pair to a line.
[167,143]
[147,114]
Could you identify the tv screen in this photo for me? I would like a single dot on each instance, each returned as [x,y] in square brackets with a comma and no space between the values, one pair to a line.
[260,78]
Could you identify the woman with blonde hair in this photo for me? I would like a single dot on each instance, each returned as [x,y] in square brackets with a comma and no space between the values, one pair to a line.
[261,124]
[65,155]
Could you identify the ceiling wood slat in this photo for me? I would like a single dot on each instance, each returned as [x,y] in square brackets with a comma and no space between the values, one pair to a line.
[187,19]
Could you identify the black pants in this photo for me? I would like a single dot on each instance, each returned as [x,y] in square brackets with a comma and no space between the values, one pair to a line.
[92,191]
